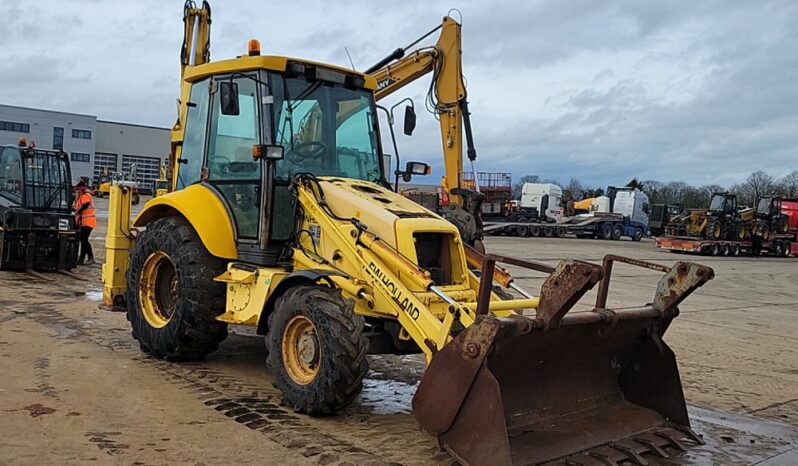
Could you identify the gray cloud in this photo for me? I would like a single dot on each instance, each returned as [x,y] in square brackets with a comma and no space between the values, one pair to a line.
[699,91]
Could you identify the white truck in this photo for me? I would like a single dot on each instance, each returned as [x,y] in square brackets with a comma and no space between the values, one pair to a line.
[545,199]
[623,212]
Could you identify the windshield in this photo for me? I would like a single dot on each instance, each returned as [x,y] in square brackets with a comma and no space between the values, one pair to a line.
[326,129]
[47,183]
[160,184]
[10,174]
[717,203]
[764,206]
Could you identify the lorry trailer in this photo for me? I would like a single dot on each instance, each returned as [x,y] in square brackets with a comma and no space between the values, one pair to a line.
[782,245]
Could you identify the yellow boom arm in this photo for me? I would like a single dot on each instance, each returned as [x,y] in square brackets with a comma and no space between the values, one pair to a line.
[447,96]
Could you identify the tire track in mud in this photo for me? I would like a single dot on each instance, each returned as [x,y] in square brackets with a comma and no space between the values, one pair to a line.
[248,405]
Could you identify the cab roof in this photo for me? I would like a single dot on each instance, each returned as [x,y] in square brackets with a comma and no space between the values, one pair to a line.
[265,62]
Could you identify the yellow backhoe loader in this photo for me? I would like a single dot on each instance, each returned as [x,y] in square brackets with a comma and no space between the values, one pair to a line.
[281,216]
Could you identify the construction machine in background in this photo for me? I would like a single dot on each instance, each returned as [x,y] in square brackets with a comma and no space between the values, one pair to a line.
[37,226]
[107,178]
[721,221]
[769,219]
[770,228]
[281,216]
[161,186]
[661,215]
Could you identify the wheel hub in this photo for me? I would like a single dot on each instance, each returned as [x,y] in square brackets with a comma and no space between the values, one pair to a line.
[301,350]
[158,289]
[308,348]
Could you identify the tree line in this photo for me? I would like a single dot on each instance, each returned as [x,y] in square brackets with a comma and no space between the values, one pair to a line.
[680,193]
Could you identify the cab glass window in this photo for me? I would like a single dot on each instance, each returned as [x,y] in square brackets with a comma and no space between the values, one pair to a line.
[193,151]
[232,137]
[10,174]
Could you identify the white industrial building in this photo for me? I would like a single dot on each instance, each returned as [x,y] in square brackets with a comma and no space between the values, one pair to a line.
[92,144]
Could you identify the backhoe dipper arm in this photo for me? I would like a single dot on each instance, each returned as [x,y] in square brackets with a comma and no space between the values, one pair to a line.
[446,97]
[196,48]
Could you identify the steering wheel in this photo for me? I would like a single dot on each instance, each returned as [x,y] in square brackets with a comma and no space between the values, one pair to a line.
[309,150]
[222,162]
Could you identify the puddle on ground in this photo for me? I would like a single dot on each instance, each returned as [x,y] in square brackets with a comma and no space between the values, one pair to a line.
[733,439]
[381,396]
[94,295]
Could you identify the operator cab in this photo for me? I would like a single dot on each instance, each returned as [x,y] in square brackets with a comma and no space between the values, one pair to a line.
[254,122]
[723,203]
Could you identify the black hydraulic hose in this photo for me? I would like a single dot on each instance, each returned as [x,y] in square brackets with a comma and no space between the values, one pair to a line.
[470,150]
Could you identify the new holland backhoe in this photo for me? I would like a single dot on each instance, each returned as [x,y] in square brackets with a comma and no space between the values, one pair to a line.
[280,216]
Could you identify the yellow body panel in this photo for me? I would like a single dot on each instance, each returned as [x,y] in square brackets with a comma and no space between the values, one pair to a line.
[265,62]
[203,210]
[247,291]
[118,242]
[584,204]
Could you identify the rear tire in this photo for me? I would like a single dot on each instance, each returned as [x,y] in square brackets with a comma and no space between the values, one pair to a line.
[735,250]
[617,232]
[726,250]
[320,369]
[606,231]
[172,300]
[548,231]
[714,229]
[778,248]
[715,249]
[534,230]
[787,249]
[523,231]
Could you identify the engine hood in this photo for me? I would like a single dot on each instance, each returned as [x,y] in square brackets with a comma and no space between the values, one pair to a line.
[383,211]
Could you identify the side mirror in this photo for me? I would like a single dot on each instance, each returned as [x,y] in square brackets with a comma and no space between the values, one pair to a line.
[415,168]
[410,120]
[268,152]
[228,93]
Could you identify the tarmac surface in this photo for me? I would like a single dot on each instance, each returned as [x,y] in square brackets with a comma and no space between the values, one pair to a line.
[76,388]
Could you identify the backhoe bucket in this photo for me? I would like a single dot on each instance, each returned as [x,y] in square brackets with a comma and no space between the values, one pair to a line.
[593,387]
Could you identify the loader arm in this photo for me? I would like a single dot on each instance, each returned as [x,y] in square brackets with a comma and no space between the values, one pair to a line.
[446,98]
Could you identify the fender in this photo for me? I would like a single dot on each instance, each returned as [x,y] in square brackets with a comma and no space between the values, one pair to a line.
[307,276]
[203,210]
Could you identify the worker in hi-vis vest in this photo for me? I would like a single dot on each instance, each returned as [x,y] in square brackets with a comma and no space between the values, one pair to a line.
[86,219]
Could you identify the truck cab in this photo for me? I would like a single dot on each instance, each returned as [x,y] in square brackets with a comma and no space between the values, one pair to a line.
[630,202]
[545,197]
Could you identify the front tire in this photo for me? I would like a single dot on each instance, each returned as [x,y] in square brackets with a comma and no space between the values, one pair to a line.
[172,300]
[317,349]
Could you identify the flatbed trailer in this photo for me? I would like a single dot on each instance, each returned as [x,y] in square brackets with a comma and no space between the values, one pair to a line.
[605,226]
[783,245]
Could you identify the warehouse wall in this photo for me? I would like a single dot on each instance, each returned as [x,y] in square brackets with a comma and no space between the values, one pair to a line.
[41,124]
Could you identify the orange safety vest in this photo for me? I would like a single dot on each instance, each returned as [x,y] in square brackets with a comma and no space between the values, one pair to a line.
[87,218]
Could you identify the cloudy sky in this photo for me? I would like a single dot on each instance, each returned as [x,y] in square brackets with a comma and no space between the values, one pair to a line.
[703,92]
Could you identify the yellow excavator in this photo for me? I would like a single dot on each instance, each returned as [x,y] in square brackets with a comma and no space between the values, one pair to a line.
[280,216]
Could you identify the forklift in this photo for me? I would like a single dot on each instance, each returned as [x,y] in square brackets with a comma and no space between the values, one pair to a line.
[37,226]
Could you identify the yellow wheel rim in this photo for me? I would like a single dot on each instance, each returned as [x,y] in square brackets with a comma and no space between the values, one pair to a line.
[158,289]
[300,350]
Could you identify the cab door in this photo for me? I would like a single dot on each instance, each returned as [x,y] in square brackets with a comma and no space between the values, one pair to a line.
[230,169]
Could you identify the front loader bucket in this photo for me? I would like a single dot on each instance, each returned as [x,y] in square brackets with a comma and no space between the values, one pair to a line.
[595,387]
